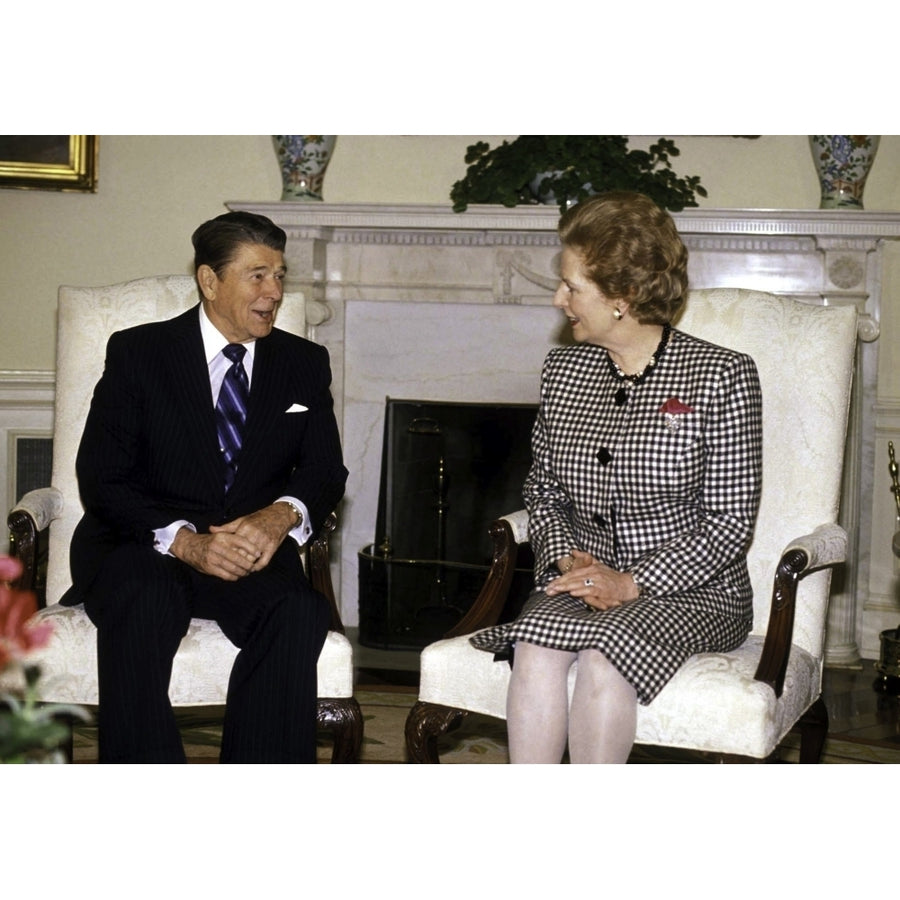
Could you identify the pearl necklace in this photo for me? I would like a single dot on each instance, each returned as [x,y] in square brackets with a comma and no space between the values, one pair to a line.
[621,394]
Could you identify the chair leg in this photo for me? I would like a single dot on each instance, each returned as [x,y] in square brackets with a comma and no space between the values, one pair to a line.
[732,758]
[342,719]
[67,745]
[813,727]
[425,724]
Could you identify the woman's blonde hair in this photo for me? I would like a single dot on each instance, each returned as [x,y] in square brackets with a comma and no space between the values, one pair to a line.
[631,251]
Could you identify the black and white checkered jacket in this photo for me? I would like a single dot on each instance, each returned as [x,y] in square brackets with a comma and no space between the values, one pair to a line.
[666,484]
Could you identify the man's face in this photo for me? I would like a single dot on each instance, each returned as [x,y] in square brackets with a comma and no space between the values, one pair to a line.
[243,302]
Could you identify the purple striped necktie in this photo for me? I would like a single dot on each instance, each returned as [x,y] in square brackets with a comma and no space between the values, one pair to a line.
[231,409]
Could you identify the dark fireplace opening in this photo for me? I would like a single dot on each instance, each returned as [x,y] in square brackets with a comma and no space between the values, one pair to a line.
[447,471]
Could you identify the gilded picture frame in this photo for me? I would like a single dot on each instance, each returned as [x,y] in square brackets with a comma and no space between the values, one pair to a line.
[47,162]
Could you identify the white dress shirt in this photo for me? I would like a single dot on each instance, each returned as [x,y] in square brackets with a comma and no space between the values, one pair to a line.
[213,344]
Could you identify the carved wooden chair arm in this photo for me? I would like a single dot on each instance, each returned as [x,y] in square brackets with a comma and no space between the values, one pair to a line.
[27,519]
[826,546]
[319,569]
[506,534]
[43,505]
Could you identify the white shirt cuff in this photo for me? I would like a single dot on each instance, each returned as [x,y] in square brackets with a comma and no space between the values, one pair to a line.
[163,537]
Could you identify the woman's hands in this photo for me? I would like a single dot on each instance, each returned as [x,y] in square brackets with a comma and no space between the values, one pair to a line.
[591,581]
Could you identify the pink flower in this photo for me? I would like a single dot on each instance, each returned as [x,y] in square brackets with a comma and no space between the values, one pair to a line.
[29,730]
[673,406]
[17,636]
[10,568]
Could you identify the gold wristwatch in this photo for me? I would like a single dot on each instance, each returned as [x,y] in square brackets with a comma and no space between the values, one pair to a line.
[296,510]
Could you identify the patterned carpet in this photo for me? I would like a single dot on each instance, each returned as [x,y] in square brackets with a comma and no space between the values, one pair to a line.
[479,739]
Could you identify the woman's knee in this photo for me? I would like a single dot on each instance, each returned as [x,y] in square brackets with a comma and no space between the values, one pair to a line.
[533,659]
[594,666]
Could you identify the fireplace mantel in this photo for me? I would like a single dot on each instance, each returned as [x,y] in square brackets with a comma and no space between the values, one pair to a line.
[314,218]
[417,301]
[818,255]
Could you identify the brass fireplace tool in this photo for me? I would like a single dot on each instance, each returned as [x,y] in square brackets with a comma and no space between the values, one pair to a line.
[888,665]
[895,490]
[439,608]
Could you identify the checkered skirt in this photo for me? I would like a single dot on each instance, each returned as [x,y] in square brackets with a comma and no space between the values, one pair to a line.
[672,502]
[647,640]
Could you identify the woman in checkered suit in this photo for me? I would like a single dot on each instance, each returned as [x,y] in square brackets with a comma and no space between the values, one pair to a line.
[642,494]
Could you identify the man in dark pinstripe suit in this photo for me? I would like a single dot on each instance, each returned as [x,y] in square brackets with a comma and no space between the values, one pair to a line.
[162,539]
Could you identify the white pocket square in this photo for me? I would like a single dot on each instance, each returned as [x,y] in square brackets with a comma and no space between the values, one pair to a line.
[296,407]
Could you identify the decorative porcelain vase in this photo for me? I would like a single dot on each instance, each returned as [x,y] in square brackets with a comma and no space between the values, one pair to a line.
[303,159]
[842,163]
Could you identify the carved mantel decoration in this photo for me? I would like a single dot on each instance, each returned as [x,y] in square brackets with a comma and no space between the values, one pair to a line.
[421,302]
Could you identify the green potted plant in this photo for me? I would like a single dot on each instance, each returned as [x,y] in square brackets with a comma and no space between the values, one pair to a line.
[564,169]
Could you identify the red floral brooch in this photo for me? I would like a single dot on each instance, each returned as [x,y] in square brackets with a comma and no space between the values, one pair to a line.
[672,409]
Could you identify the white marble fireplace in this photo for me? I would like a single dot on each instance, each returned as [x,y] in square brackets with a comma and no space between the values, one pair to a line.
[418,302]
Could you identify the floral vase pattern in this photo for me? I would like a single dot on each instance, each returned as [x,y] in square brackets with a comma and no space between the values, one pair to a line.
[303,159]
[842,163]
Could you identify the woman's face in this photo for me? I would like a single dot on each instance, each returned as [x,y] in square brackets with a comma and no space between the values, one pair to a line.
[588,309]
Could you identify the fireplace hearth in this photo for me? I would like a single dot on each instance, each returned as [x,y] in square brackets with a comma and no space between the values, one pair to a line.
[447,471]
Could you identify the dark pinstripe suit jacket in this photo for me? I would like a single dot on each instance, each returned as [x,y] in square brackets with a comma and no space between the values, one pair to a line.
[149,455]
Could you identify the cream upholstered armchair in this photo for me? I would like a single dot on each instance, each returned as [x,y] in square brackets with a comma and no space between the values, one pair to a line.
[741,704]
[86,318]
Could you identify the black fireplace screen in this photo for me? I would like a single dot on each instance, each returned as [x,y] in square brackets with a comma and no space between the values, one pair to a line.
[447,471]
